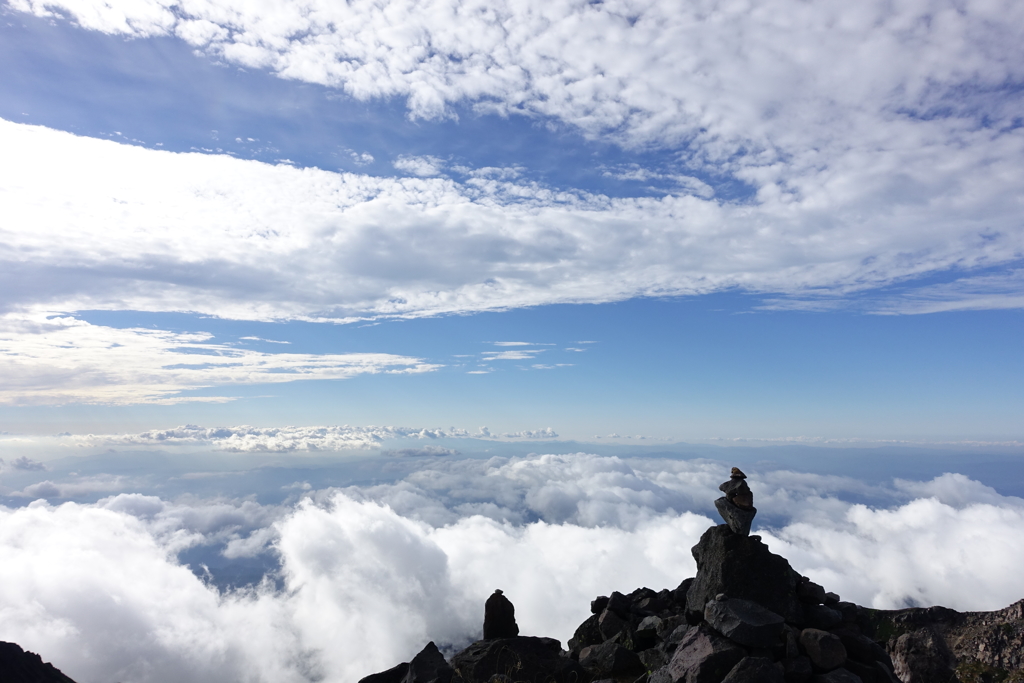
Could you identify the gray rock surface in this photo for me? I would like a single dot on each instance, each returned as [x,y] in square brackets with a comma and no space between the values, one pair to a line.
[754,670]
[825,649]
[704,656]
[523,658]
[609,624]
[609,660]
[922,657]
[744,568]
[744,622]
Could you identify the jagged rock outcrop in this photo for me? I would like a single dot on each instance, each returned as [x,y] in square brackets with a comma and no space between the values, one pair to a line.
[523,658]
[742,567]
[428,666]
[748,617]
[19,666]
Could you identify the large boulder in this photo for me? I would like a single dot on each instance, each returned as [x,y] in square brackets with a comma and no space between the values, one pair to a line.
[499,617]
[428,666]
[921,656]
[525,659]
[825,649]
[739,519]
[742,567]
[19,666]
[838,676]
[744,622]
[704,656]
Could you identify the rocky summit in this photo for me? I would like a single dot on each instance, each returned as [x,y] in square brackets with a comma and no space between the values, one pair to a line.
[746,617]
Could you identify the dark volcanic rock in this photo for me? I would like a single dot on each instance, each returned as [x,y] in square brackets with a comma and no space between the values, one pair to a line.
[820,616]
[755,670]
[587,633]
[837,676]
[610,624]
[798,670]
[523,658]
[742,567]
[744,622]
[610,659]
[499,617]
[704,656]
[428,666]
[739,519]
[19,666]
[825,649]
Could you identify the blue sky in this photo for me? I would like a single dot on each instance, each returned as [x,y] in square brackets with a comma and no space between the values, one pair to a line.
[750,256]
[321,320]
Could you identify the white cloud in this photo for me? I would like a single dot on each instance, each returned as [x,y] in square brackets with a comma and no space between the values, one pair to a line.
[546,433]
[519,354]
[247,439]
[242,239]
[50,360]
[422,166]
[372,573]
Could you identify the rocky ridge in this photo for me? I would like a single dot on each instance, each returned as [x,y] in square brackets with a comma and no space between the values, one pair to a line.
[746,617]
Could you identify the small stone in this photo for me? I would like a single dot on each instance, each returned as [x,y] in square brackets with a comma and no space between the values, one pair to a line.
[737,473]
[744,622]
[618,603]
[825,649]
[831,599]
[598,604]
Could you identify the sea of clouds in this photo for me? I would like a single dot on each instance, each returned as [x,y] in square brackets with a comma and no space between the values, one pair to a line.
[368,574]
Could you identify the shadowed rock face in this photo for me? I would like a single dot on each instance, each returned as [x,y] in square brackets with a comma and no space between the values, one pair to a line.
[499,617]
[742,567]
[521,659]
[19,666]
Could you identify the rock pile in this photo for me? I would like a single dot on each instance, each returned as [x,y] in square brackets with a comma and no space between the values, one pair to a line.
[746,617]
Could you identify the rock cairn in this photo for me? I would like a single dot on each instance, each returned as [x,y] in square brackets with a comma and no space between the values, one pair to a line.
[746,617]
[737,505]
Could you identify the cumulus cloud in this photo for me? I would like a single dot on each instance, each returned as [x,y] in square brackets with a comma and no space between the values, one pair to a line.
[371,573]
[51,360]
[422,166]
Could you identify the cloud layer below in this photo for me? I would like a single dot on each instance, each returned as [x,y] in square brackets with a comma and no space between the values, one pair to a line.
[371,573]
